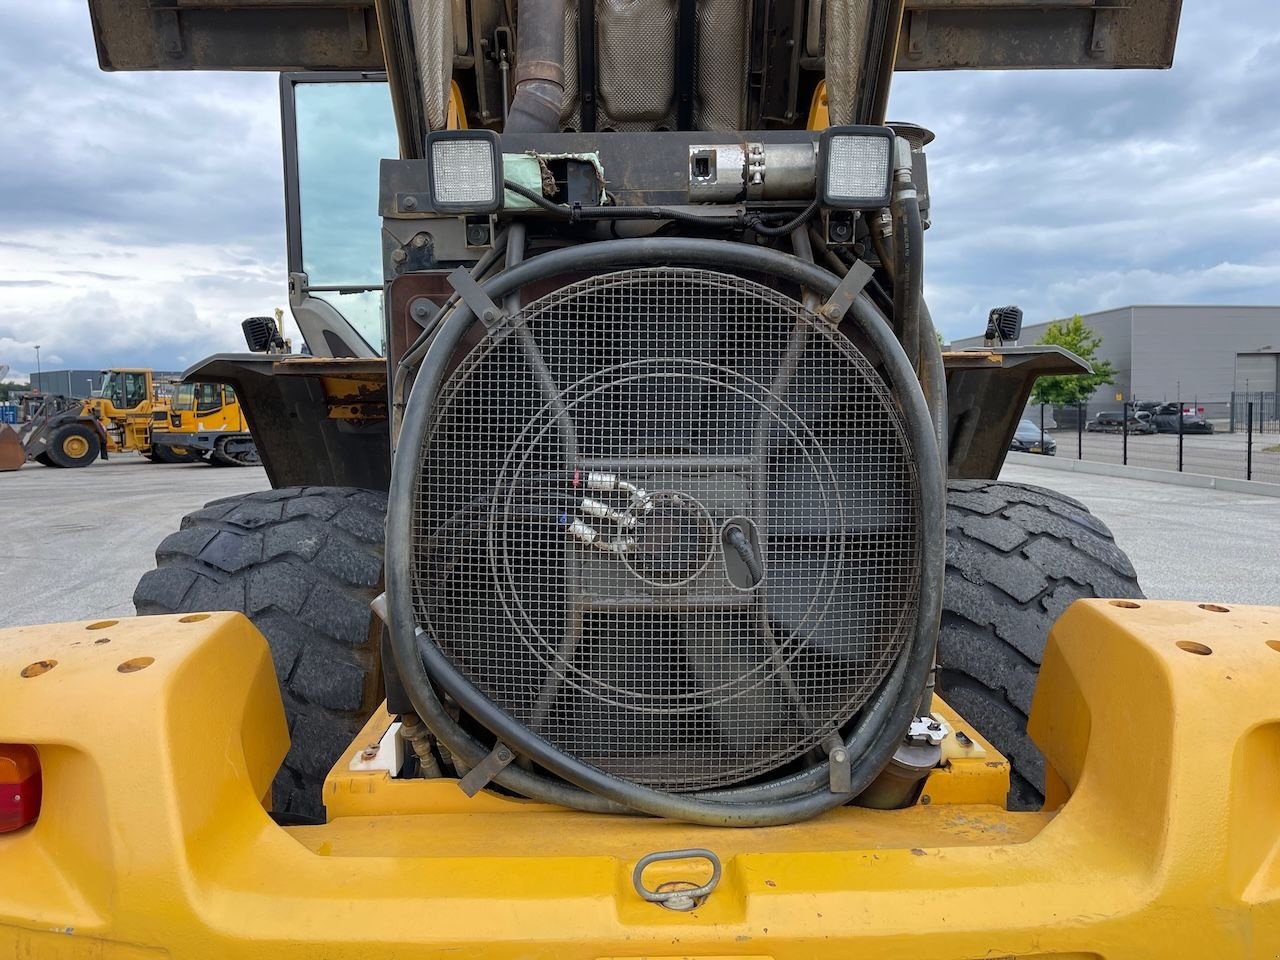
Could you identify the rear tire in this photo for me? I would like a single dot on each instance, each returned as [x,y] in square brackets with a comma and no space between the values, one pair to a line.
[302,563]
[1017,557]
[74,445]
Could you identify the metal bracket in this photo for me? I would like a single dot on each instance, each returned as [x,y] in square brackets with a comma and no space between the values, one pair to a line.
[385,755]
[932,729]
[169,30]
[479,776]
[1102,21]
[841,300]
[840,770]
[916,32]
[422,309]
[357,30]
[473,296]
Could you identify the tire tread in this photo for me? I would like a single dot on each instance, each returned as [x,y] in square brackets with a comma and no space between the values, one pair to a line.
[1017,556]
[302,563]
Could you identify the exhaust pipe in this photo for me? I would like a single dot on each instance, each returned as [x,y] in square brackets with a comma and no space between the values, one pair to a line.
[536,106]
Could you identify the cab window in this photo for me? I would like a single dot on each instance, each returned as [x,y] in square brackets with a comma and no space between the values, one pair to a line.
[208,397]
[135,389]
[342,130]
[185,397]
[125,390]
[113,389]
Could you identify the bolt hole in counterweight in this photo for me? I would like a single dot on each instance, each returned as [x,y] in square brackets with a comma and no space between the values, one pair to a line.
[1191,646]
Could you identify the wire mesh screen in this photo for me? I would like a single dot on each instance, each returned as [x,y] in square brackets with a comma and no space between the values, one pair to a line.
[669,520]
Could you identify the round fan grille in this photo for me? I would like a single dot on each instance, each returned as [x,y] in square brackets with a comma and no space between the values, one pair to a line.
[669,520]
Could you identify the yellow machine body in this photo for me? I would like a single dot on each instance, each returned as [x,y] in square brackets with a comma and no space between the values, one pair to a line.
[67,431]
[158,739]
[130,404]
[204,408]
[201,420]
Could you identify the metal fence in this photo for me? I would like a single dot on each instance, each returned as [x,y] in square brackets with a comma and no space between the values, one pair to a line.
[1243,448]
[1260,408]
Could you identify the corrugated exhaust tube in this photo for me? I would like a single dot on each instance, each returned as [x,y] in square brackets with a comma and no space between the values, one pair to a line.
[539,67]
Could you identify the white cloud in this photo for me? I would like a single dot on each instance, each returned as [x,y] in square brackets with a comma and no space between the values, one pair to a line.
[1070,192]
[141,215]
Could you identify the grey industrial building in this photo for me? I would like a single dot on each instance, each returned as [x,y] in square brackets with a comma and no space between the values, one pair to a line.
[71,383]
[1206,354]
[80,383]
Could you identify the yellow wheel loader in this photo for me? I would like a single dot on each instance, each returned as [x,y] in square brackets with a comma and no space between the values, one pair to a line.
[204,421]
[635,581]
[72,432]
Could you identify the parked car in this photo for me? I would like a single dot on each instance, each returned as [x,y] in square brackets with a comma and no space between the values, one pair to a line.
[1026,439]
[1165,417]
[1109,421]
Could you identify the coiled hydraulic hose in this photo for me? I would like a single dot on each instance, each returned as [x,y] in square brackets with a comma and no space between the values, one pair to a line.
[882,722]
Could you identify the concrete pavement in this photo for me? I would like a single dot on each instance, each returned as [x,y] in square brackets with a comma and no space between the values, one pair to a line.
[1186,543]
[73,543]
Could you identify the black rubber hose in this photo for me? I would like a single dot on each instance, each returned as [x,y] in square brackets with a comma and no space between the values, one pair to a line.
[539,97]
[781,231]
[933,377]
[908,270]
[882,699]
[471,752]
[742,547]
[885,720]
[577,214]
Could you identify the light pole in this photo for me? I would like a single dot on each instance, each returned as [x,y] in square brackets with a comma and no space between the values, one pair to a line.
[38,376]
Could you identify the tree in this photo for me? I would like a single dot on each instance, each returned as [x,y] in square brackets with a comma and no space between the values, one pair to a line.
[1073,335]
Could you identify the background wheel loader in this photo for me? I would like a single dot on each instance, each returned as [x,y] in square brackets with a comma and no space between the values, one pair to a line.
[71,432]
[672,518]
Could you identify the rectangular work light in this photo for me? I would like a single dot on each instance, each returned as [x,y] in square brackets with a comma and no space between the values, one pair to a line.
[856,167]
[464,168]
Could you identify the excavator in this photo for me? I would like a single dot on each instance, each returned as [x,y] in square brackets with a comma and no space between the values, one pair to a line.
[204,422]
[636,579]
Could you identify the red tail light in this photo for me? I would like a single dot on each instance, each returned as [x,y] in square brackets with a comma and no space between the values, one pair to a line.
[19,786]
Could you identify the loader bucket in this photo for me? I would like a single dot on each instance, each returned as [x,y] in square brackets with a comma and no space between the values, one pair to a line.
[12,455]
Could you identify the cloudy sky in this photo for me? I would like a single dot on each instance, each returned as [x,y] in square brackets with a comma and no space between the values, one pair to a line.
[141,214]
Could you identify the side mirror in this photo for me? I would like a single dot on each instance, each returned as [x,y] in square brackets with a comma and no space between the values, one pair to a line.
[261,334]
